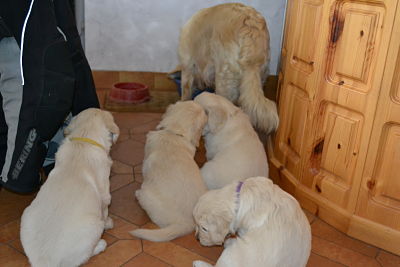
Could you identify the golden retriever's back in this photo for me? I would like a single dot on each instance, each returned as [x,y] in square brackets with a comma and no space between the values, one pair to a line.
[216,31]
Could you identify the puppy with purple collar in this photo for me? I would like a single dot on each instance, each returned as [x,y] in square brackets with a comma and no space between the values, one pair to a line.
[270,227]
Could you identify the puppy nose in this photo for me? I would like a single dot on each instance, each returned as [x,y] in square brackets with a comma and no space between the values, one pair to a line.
[197,237]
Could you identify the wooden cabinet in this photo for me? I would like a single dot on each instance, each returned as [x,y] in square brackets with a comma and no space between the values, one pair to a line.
[338,145]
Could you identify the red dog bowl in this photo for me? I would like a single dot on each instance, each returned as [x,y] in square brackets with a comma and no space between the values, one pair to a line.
[129,93]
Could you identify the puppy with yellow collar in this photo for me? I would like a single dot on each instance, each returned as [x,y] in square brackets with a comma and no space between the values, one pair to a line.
[64,223]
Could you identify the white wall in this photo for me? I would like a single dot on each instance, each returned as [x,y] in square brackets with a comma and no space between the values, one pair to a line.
[142,35]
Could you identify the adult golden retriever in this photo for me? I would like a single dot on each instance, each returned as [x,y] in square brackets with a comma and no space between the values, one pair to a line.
[64,223]
[227,47]
[172,183]
[271,228]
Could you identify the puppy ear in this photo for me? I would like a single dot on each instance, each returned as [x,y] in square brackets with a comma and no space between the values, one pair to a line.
[223,225]
[114,137]
[172,117]
[110,125]
[197,129]
[79,120]
[163,123]
[71,126]
[217,117]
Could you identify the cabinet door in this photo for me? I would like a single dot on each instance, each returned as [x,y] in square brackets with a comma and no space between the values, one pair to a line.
[334,55]
[379,198]
[338,145]
[346,98]
[299,72]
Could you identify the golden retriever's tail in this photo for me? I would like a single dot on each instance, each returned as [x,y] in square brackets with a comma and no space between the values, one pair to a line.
[262,111]
[168,233]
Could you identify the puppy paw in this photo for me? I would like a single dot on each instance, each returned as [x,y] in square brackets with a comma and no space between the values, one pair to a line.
[100,247]
[228,242]
[201,264]
[109,224]
[137,194]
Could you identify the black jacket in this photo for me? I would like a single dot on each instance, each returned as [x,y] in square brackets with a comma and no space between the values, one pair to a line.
[57,81]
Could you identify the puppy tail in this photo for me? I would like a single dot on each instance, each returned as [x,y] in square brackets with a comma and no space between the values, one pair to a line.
[262,111]
[168,233]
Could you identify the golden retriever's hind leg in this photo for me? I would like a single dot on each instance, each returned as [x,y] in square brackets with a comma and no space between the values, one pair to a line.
[227,85]
[187,81]
[262,111]
[201,264]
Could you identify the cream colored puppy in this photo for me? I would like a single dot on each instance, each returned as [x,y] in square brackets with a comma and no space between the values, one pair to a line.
[64,223]
[227,47]
[271,228]
[233,147]
[172,182]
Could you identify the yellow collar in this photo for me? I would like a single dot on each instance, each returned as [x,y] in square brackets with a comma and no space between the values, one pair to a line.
[87,140]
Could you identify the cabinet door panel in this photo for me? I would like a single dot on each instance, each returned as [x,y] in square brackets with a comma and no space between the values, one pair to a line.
[296,97]
[334,164]
[379,199]
[355,38]
[293,133]
[307,35]
[387,176]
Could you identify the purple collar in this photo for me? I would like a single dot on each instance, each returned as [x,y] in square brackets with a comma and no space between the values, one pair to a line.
[237,200]
[239,186]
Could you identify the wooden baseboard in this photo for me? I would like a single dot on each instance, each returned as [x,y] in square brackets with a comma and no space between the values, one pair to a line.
[375,234]
[159,80]
[154,80]
[346,222]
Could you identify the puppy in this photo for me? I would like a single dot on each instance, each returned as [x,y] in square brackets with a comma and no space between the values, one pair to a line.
[64,223]
[227,47]
[233,147]
[271,228]
[172,182]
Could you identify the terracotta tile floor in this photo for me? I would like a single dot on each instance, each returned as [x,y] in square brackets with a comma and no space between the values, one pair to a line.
[330,247]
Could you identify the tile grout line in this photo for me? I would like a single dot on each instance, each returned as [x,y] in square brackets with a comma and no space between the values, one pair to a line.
[16,250]
[156,257]
[377,255]
[123,187]
[124,219]
[331,242]
[13,220]
[194,251]
[181,248]
[337,244]
[328,259]
[159,259]
[363,243]
[134,176]
[141,252]
[105,232]
[115,189]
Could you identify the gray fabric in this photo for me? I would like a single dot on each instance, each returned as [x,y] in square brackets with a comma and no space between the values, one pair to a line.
[55,142]
[11,90]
